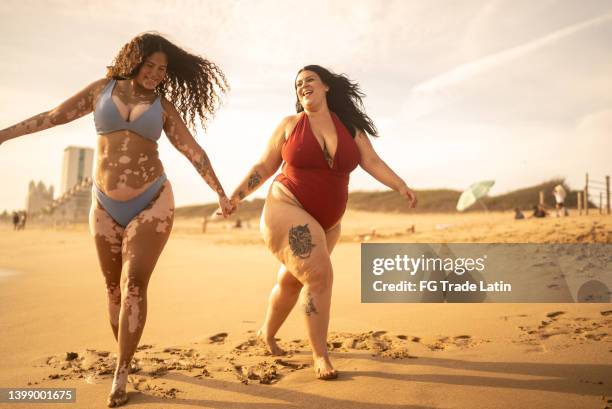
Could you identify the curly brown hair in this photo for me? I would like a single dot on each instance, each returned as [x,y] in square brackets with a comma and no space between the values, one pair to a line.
[192,83]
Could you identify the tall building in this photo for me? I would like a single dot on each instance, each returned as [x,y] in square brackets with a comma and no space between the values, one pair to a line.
[78,165]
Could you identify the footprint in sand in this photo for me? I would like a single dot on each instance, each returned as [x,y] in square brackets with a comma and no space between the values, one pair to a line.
[377,343]
[263,372]
[218,338]
[458,341]
[564,331]
[148,386]
[248,362]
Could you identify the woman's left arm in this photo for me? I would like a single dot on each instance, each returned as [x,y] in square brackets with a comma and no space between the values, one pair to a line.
[184,142]
[375,166]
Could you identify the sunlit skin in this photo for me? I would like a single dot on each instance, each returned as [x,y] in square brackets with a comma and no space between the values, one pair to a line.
[308,279]
[126,165]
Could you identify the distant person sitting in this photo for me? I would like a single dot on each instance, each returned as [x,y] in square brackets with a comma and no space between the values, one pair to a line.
[518,214]
[538,211]
[560,194]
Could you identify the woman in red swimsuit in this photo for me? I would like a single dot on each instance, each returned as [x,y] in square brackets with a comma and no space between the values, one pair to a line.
[300,222]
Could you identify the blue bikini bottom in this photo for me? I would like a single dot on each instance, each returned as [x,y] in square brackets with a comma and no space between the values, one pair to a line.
[123,211]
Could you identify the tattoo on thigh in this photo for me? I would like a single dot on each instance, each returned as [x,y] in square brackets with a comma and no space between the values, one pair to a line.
[309,307]
[300,241]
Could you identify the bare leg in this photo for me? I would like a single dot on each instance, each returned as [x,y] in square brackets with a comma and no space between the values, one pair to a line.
[144,240]
[283,297]
[108,236]
[300,243]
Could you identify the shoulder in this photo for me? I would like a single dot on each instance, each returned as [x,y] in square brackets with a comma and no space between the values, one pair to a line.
[95,88]
[361,136]
[168,107]
[290,120]
[102,82]
[288,123]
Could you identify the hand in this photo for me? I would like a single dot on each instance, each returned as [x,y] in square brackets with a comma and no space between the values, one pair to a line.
[226,207]
[409,195]
[235,201]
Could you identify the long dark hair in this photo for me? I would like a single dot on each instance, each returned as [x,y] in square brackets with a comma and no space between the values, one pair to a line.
[344,98]
[192,83]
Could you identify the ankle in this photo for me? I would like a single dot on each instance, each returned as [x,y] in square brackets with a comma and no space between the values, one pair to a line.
[262,333]
[317,357]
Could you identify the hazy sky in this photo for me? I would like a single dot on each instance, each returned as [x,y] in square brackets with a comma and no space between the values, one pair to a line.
[461,91]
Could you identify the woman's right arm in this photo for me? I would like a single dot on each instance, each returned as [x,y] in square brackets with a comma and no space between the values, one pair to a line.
[267,165]
[69,110]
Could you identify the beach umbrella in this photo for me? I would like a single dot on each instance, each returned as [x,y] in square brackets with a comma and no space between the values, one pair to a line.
[473,194]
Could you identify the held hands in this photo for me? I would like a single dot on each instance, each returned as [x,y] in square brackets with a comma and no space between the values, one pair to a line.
[226,207]
[408,194]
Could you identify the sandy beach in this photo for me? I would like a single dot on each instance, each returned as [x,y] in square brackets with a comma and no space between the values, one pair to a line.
[207,298]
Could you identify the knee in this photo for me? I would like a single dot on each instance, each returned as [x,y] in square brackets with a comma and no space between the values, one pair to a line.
[113,291]
[133,286]
[289,283]
[320,278]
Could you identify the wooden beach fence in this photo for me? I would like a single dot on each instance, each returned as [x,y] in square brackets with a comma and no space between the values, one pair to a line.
[592,189]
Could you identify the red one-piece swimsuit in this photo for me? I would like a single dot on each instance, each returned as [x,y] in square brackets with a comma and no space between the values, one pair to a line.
[321,190]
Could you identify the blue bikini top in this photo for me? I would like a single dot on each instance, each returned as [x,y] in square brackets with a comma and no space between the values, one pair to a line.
[107,118]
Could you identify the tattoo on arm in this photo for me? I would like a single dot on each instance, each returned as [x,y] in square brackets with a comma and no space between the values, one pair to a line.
[300,241]
[204,168]
[254,180]
[241,195]
[309,307]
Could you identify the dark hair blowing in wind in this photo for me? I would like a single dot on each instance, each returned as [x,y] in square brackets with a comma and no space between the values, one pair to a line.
[345,99]
[192,83]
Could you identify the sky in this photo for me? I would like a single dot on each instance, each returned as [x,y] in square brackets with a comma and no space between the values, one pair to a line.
[461,91]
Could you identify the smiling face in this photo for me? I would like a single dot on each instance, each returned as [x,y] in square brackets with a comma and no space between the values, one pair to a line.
[310,89]
[153,71]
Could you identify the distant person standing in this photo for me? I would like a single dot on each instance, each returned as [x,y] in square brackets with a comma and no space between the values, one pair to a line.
[15,220]
[560,195]
[23,219]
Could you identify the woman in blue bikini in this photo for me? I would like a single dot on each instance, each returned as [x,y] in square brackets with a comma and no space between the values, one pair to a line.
[151,85]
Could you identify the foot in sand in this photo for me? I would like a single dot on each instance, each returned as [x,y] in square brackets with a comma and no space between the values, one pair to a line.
[118,395]
[270,343]
[117,398]
[323,368]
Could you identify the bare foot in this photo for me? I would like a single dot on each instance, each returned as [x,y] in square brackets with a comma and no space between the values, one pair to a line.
[270,343]
[323,368]
[117,398]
